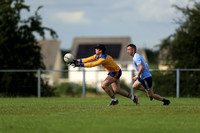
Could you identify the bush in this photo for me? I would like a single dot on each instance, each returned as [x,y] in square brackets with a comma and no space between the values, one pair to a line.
[47,91]
[189,84]
[124,86]
[68,89]
[164,83]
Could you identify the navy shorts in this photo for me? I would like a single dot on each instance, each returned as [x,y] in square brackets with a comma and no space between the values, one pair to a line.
[147,82]
[115,75]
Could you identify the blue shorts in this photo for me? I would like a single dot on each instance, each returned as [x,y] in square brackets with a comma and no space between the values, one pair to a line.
[115,75]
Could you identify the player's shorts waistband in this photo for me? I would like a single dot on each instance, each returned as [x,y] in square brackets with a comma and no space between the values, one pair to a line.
[115,75]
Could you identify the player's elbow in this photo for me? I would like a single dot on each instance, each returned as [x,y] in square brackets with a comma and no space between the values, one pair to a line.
[142,68]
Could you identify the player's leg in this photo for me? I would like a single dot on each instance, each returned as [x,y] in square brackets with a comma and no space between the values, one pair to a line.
[158,97]
[116,88]
[137,85]
[147,83]
[105,85]
[155,96]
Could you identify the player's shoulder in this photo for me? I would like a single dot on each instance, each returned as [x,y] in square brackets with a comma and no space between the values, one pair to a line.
[93,56]
[104,56]
[136,55]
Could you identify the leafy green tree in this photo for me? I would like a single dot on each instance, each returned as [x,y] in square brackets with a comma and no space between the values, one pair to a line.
[183,47]
[152,58]
[19,48]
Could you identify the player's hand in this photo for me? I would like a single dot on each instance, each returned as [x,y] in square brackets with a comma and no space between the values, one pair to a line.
[135,77]
[76,63]
[71,63]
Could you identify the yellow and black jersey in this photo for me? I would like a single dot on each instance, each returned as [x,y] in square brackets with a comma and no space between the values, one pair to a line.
[105,60]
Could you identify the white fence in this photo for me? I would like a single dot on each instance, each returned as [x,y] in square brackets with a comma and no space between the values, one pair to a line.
[39,72]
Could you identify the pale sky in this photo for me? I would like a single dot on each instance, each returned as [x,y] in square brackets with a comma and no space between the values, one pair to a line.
[146,22]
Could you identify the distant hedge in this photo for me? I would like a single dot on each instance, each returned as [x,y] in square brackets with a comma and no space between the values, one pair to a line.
[164,83]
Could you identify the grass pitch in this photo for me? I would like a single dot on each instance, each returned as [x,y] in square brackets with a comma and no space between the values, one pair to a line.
[92,115]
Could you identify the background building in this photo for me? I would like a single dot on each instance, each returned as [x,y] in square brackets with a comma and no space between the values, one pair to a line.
[52,59]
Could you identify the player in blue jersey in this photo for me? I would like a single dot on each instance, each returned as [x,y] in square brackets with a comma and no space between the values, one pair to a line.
[143,79]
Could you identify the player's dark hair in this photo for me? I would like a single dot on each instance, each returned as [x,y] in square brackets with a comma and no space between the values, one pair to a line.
[103,51]
[101,47]
[132,46]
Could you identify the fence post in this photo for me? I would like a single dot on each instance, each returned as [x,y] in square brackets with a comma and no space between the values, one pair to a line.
[83,83]
[132,89]
[177,82]
[39,84]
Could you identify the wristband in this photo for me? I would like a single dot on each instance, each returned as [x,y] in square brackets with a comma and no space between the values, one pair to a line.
[136,76]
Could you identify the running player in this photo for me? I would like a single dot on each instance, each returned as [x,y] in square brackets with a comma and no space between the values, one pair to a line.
[143,79]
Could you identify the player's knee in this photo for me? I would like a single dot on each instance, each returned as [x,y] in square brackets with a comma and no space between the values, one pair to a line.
[133,86]
[151,95]
[103,86]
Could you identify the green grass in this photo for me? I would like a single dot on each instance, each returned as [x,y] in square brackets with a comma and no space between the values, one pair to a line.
[92,115]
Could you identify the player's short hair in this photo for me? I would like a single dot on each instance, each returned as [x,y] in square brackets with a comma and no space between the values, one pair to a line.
[133,46]
[101,47]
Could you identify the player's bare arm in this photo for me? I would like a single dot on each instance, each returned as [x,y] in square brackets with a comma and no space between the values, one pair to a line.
[141,68]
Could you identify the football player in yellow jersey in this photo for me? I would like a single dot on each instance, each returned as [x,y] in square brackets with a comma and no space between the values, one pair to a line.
[114,73]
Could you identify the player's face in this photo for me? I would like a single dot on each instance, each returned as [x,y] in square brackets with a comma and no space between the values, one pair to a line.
[98,51]
[130,51]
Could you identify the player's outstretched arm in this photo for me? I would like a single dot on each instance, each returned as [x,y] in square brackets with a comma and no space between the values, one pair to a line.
[93,64]
[89,59]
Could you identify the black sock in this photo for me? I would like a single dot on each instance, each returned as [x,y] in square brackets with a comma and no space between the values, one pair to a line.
[113,96]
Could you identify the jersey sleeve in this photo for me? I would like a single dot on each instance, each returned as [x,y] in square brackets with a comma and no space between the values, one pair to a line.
[89,59]
[137,60]
[96,63]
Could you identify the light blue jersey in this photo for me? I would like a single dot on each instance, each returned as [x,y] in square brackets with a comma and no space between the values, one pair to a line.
[137,60]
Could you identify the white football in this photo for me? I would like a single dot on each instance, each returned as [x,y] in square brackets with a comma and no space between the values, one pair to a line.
[68,58]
